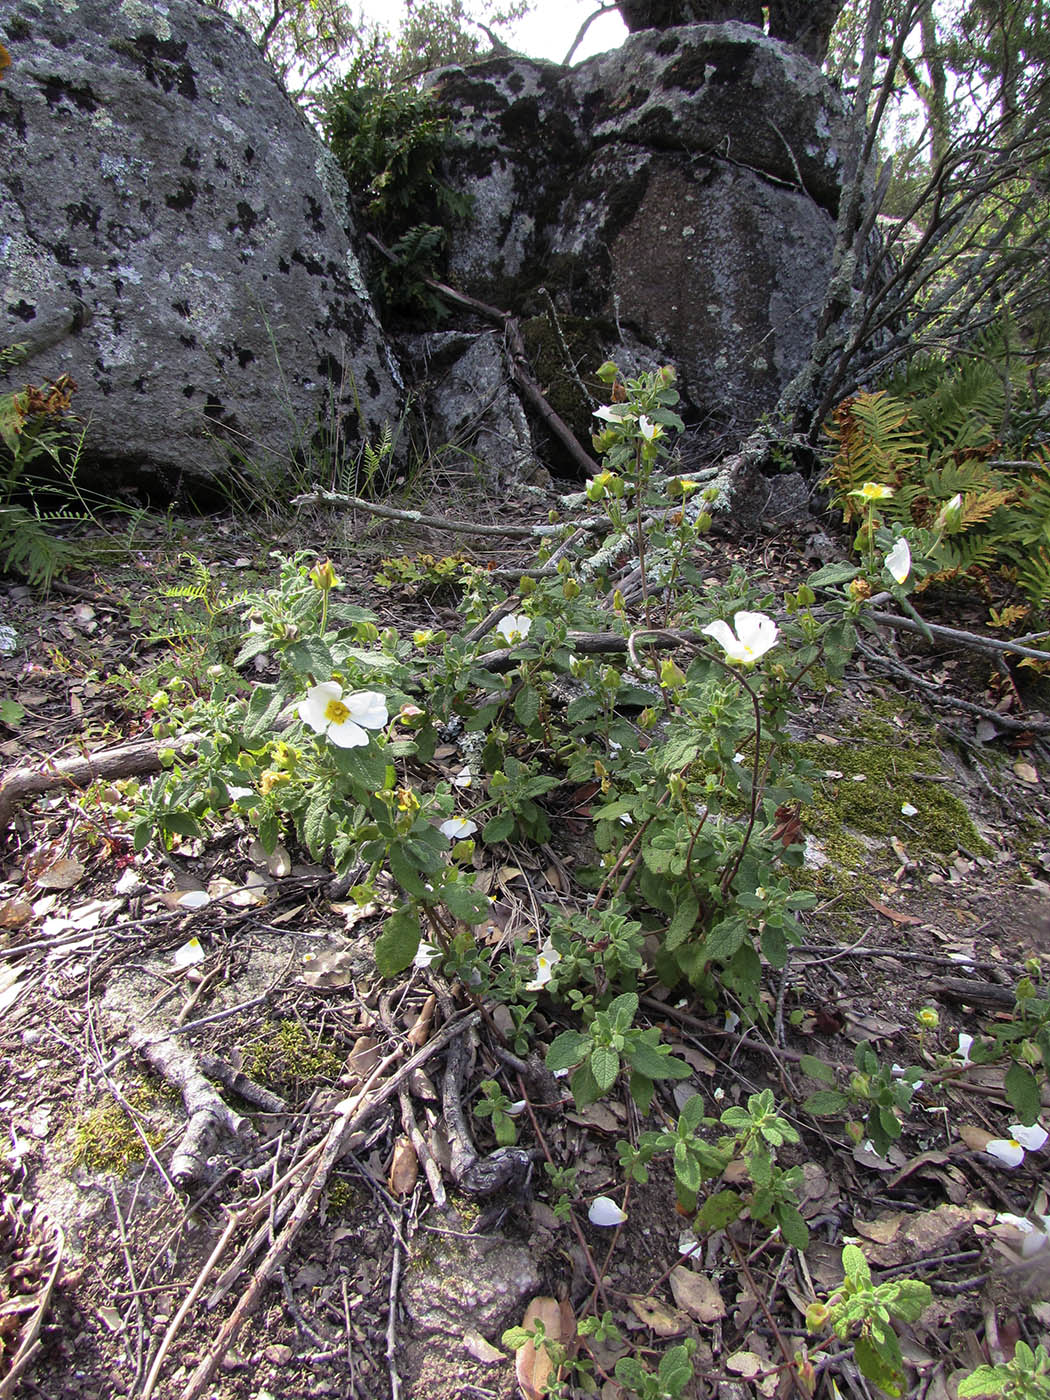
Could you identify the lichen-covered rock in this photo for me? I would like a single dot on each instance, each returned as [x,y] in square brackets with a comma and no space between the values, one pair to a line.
[682,189]
[472,413]
[173,235]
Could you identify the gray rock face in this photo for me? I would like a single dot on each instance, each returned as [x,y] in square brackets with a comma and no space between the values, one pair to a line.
[173,235]
[683,188]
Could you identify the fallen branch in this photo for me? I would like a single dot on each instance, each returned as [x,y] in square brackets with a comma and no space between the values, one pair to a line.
[209,1117]
[356,1114]
[971,641]
[125,761]
[519,361]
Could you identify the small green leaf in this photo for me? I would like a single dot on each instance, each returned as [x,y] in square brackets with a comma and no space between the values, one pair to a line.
[684,921]
[675,1370]
[498,828]
[986,1380]
[877,1367]
[825,1103]
[398,944]
[831,574]
[1022,1089]
[566,1050]
[817,1069]
[527,706]
[605,1066]
[793,1228]
[855,1266]
[719,1210]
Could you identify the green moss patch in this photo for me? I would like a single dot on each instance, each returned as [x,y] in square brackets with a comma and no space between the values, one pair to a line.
[882,769]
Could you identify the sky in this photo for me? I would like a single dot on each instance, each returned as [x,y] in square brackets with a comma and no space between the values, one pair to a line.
[547,32]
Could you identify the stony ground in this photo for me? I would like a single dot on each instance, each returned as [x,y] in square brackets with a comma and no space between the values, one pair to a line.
[382,1292]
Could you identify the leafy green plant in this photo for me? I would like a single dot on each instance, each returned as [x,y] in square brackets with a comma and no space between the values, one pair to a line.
[864,1313]
[609,1043]
[757,1132]
[1026,1376]
[882,1093]
[37,428]
[496,1106]
[389,141]
[930,444]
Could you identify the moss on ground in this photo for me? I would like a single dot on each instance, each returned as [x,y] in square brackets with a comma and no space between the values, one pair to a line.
[106,1140]
[286,1053]
[883,768]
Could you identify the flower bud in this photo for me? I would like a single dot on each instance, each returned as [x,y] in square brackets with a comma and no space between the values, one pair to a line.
[672,677]
[323,576]
[928,1018]
[859,589]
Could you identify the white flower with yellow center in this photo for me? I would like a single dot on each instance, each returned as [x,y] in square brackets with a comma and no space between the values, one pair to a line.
[873,491]
[1011,1150]
[898,561]
[515,627]
[755,634]
[458,828]
[547,960]
[343,719]
[648,429]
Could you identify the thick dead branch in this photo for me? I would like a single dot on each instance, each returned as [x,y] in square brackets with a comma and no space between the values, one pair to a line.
[125,761]
[209,1117]
[519,362]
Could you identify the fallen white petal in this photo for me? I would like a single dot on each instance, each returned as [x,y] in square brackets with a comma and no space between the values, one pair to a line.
[604,1211]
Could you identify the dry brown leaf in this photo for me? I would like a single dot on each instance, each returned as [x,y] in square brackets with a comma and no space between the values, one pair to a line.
[14,913]
[480,1349]
[881,1230]
[420,1032]
[975,1138]
[1026,772]
[329,970]
[928,1233]
[697,1294]
[533,1368]
[602,1116]
[404,1168]
[62,874]
[362,1059]
[654,1312]
[894,915]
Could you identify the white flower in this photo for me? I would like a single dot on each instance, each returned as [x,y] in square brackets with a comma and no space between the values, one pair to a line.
[605,1211]
[343,719]
[907,810]
[513,1110]
[514,627]
[755,634]
[731,1021]
[458,828]
[1036,1237]
[965,1046]
[463,778]
[547,960]
[898,561]
[613,412]
[648,429]
[426,954]
[1010,1151]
